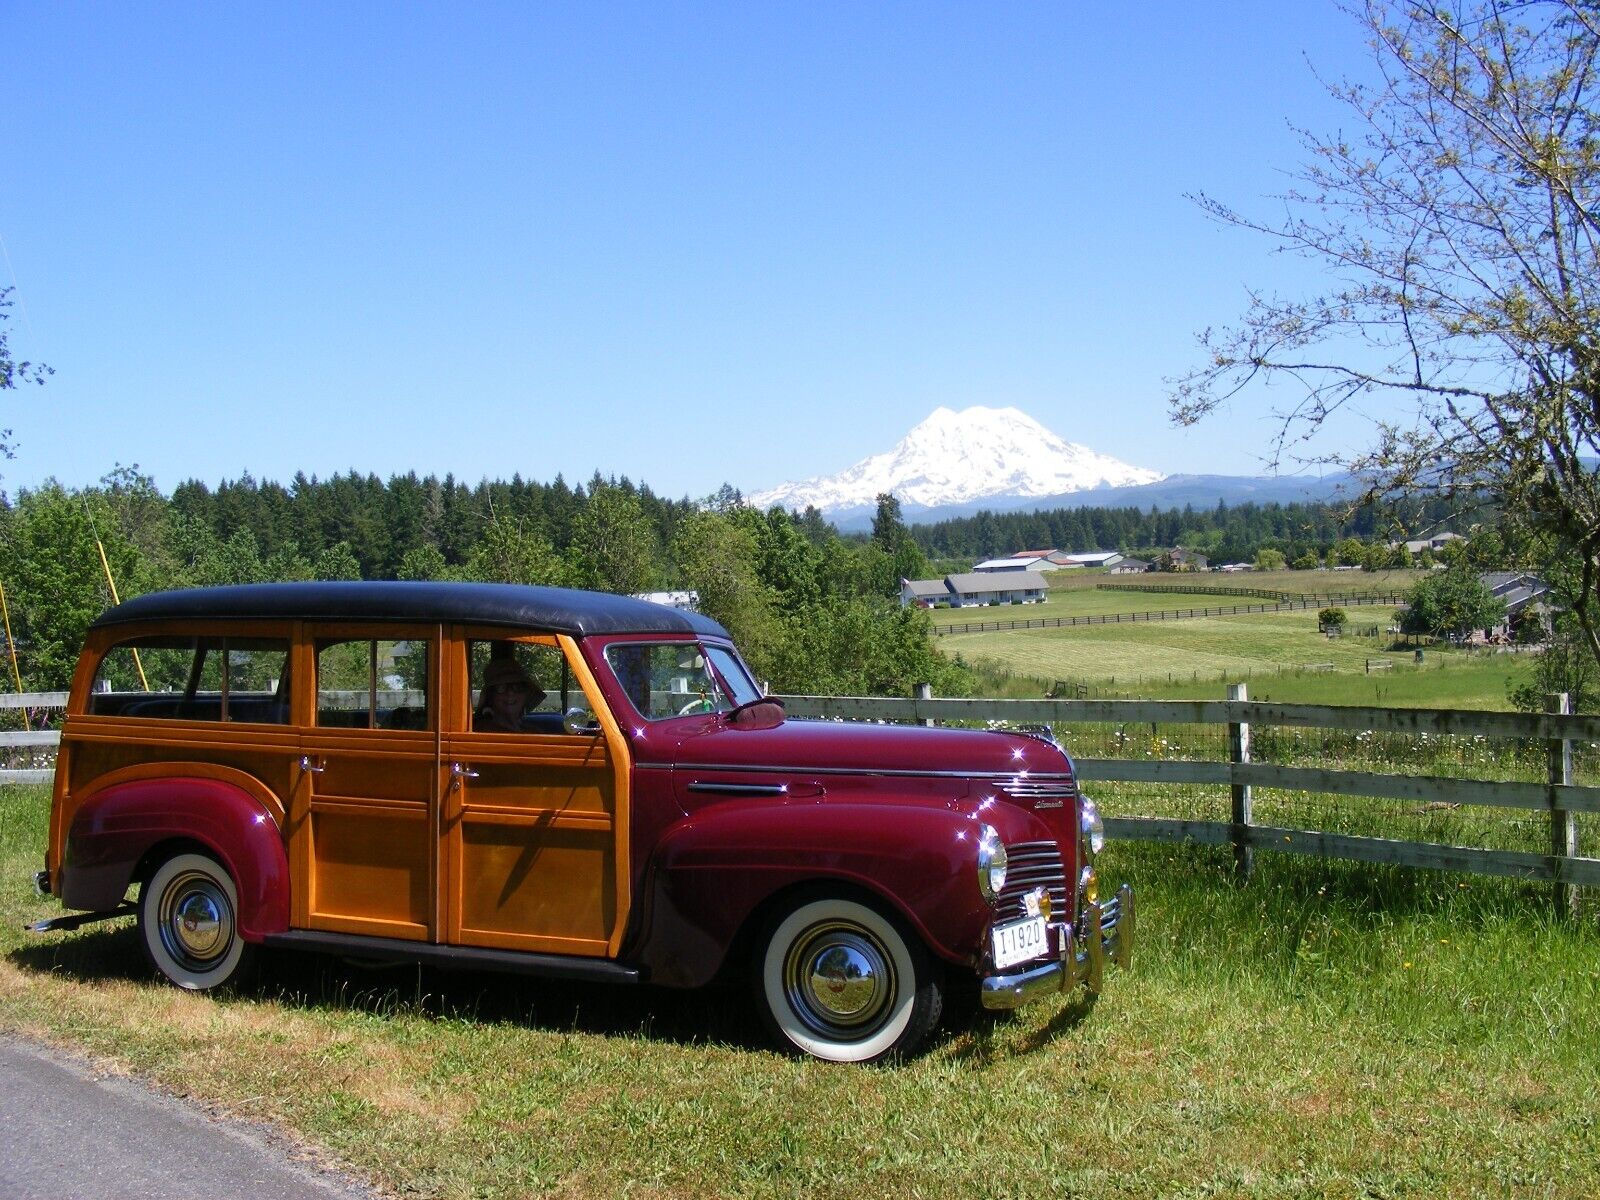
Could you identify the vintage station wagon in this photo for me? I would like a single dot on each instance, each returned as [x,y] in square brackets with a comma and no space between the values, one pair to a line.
[558,783]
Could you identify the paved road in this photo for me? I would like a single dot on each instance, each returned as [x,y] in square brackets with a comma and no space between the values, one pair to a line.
[68,1130]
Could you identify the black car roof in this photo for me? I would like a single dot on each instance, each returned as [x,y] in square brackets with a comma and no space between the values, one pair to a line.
[548,609]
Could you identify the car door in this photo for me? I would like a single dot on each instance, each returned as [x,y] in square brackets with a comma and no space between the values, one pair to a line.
[363,829]
[534,846]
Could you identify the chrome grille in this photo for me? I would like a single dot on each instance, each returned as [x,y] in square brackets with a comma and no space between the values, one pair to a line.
[1030,865]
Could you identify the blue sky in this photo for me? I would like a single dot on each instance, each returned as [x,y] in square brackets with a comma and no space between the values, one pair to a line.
[685,243]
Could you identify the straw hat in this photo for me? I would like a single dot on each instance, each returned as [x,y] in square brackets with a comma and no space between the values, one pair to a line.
[505,670]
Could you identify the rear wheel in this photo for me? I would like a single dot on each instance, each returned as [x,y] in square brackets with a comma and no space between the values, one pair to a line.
[840,981]
[188,923]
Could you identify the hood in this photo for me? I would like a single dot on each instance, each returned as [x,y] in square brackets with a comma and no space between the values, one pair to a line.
[835,746]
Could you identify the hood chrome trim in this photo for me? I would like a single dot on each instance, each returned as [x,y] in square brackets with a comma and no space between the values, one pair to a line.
[892,772]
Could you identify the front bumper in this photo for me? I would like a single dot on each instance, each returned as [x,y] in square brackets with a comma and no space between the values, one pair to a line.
[1106,934]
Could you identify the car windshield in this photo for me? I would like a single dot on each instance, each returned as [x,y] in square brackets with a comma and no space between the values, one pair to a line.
[678,679]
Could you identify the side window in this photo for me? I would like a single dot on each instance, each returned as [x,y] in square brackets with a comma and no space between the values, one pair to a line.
[668,679]
[195,679]
[520,687]
[372,683]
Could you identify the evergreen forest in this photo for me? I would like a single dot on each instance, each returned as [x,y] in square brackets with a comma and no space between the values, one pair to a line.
[812,610]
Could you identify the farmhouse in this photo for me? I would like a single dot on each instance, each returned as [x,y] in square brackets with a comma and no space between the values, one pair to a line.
[1179,559]
[924,593]
[973,589]
[1522,594]
[1431,544]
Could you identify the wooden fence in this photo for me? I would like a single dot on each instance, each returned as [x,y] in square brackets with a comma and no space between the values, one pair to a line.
[1556,796]
[35,742]
[1171,614]
[1366,596]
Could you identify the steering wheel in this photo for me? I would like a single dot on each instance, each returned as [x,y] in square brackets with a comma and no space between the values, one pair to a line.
[700,705]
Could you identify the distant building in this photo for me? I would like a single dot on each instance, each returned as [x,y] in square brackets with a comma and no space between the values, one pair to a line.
[1021,587]
[1179,559]
[1431,544]
[683,601]
[1129,566]
[974,588]
[1095,558]
[924,593]
[994,565]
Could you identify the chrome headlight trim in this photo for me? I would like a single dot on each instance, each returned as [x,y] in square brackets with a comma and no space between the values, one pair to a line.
[992,859]
[1091,826]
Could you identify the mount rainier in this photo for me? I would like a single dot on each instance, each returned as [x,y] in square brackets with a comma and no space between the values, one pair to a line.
[956,458]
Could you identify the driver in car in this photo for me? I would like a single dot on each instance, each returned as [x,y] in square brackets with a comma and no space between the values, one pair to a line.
[507,694]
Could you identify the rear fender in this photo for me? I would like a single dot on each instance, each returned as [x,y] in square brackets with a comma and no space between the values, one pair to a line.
[118,825]
[715,871]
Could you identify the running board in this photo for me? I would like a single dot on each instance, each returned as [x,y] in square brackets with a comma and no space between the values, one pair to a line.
[469,958]
[74,920]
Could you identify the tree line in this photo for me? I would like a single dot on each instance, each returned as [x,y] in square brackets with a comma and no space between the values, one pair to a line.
[1226,533]
[811,610]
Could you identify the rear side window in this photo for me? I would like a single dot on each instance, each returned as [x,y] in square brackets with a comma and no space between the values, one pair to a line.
[370,683]
[195,679]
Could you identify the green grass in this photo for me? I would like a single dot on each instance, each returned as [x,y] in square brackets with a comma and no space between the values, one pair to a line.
[1279,656]
[1204,646]
[1329,1031]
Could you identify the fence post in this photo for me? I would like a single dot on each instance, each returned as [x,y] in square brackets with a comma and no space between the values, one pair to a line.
[1238,753]
[1563,822]
[925,692]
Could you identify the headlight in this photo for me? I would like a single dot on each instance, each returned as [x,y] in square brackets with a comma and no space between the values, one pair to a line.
[991,863]
[1091,826]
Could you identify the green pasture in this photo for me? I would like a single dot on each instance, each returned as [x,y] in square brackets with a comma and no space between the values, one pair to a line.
[1198,647]
[1279,656]
[1084,602]
[1328,1031]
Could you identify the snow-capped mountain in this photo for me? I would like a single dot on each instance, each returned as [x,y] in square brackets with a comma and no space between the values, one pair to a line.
[959,457]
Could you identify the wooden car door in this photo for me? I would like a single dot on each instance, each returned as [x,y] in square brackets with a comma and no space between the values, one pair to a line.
[534,844]
[363,828]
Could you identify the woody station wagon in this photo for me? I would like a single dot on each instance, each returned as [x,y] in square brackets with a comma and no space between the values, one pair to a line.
[557,783]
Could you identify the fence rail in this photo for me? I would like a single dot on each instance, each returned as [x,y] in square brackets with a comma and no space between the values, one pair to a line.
[1557,796]
[1266,593]
[1170,614]
[40,742]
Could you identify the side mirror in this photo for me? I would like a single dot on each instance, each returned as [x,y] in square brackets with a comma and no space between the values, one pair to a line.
[579,721]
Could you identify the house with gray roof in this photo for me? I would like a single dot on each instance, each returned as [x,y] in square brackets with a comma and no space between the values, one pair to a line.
[1010,587]
[974,588]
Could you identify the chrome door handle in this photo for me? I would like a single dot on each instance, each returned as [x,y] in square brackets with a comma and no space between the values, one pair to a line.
[306,765]
[460,771]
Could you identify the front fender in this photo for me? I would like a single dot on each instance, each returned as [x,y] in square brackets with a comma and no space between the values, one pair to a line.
[712,871]
[118,825]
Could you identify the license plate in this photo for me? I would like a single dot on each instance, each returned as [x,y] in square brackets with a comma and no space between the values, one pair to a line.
[1019,941]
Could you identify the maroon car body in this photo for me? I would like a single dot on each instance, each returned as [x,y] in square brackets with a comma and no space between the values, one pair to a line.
[322,770]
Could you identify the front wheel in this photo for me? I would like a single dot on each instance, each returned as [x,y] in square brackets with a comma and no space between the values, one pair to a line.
[840,981]
[188,923]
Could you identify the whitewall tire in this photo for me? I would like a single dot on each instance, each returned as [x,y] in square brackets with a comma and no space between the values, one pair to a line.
[189,926]
[840,981]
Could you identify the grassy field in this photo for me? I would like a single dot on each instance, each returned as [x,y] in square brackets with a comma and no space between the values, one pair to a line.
[1196,646]
[1281,656]
[1326,1032]
[1077,594]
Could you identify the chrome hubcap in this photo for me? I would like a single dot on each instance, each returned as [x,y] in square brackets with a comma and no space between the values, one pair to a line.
[196,920]
[839,979]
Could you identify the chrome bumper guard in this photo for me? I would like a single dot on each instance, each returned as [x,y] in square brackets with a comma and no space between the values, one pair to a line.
[41,883]
[1107,934]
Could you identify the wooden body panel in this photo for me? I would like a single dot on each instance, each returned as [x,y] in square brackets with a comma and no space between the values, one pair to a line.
[534,824]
